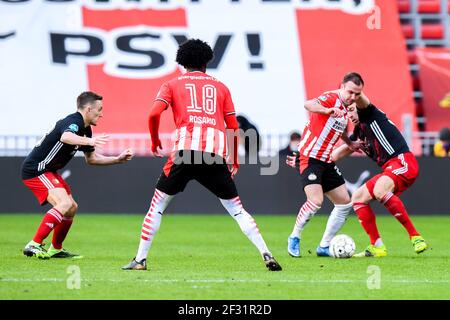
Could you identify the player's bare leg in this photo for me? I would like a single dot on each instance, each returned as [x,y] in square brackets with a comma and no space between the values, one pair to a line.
[62,204]
[251,230]
[342,206]
[314,200]
[150,227]
[383,191]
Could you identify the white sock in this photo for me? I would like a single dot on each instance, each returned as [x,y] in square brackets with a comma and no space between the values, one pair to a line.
[151,223]
[306,212]
[335,222]
[246,223]
[32,243]
[378,243]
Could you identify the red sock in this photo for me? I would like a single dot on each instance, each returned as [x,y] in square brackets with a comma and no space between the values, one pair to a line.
[367,220]
[397,209]
[60,232]
[51,219]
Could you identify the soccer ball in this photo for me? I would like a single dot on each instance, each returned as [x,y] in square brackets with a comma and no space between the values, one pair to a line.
[342,246]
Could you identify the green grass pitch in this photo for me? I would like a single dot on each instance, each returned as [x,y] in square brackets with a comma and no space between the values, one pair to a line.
[206,257]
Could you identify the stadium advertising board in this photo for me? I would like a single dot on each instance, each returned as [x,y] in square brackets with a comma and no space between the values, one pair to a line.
[127,188]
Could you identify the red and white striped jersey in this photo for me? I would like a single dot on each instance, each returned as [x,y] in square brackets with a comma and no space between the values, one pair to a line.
[322,132]
[199,103]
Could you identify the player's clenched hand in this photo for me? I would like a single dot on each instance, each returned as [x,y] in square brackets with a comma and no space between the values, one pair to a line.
[356,146]
[292,161]
[99,140]
[336,112]
[156,148]
[234,169]
[125,156]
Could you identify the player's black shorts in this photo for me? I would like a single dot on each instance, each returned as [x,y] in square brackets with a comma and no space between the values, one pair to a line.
[208,169]
[325,174]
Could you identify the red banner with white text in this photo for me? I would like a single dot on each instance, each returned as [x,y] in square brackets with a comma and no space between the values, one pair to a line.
[273,55]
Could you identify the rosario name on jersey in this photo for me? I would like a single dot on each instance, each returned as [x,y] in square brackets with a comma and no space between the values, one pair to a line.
[50,154]
[382,140]
[322,132]
[199,103]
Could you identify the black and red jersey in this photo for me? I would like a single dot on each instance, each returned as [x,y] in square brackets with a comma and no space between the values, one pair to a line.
[50,154]
[382,140]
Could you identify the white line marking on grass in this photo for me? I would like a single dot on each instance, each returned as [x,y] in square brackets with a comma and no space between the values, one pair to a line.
[224,280]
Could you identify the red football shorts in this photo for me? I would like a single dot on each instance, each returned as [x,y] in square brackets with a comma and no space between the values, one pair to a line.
[41,184]
[403,169]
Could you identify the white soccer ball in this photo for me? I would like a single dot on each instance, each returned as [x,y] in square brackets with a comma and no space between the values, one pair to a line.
[342,246]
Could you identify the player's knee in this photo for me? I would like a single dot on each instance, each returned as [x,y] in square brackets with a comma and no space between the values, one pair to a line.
[379,193]
[357,196]
[65,206]
[362,195]
[346,199]
[383,186]
[73,210]
[317,200]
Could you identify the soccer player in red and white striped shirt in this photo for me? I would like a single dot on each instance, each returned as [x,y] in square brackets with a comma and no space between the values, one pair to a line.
[201,106]
[319,174]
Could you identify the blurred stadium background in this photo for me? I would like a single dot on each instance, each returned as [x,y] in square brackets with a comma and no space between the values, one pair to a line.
[272,54]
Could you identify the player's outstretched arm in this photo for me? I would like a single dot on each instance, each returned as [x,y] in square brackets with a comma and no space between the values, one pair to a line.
[354,146]
[73,139]
[362,102]
[341,152]
[233,137]
[314,107]
[153,125]
[95,158]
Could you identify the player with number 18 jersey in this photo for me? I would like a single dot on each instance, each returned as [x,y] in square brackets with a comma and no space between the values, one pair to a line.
[202,111]
[199,104]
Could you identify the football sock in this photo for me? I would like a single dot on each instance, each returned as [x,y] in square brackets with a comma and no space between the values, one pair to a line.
[335,222]
[60,232]
[50,221]
[367,220]
[306,212]
[245,222]
[151,223]
[378,243]
[397,209]
[33,243]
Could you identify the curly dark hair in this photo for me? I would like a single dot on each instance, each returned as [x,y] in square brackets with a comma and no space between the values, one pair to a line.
[194,54]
